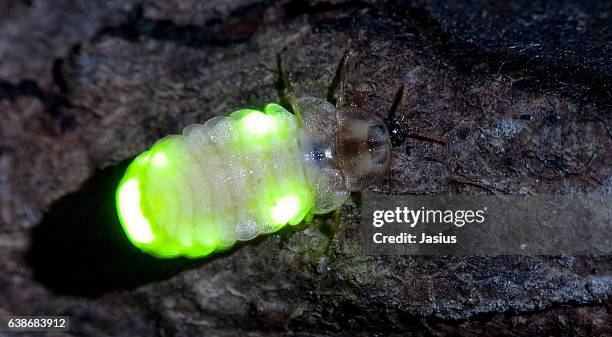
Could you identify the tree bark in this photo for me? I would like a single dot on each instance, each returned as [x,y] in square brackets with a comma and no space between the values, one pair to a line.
[520,94]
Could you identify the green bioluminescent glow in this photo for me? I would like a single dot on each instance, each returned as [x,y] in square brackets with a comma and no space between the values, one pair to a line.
[257,123]
[285,208]
[228,180]
[136,225]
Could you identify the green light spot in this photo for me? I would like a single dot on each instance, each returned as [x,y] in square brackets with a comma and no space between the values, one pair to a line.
[258,124]
[285,209]
[136,225]
[160,159]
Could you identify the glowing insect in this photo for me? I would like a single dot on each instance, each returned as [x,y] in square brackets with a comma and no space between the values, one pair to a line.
[250,173]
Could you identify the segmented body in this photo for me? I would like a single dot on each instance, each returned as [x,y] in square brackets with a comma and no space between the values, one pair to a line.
[229,179]
[249,173]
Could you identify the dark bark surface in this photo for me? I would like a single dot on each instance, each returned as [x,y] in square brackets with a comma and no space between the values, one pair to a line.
[522,93]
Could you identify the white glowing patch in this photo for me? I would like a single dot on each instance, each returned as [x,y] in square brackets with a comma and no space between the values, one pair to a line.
[136,225]
[160,159]
[285,209]
[258,123]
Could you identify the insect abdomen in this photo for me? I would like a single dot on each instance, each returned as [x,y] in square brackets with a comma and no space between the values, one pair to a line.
[229,179]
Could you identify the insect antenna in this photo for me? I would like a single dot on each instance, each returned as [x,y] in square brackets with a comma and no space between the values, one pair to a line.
[399,128]
[427,137]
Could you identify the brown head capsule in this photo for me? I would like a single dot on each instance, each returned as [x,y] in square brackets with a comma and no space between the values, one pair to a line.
[363,147]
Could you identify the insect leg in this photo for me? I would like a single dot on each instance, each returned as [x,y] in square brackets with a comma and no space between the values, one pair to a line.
[337,220]
[309,217]
[342,77]
[287,91]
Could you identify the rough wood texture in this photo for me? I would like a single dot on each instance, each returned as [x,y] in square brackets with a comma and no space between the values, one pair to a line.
[522,93]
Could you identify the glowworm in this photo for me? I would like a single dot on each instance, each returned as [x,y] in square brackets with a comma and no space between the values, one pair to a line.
[249,173]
